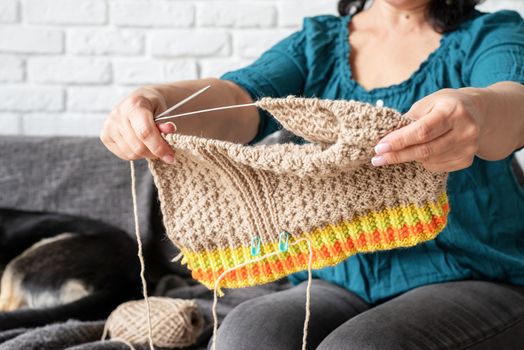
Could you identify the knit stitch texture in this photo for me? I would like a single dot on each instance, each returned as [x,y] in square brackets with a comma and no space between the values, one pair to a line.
[220,199]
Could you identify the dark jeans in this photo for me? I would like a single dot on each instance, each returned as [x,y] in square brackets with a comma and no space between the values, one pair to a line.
[472,315]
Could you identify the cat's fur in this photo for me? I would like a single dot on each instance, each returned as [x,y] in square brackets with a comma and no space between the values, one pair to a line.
[59,267]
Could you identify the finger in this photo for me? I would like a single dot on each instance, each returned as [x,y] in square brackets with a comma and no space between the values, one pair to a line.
[113,147]
[133,142]
[419,109]
[128,152]
[119,140]
[449,166]
[440,148]
[107,137]
[423,130]
[167,128]
[465,152]
[141,121]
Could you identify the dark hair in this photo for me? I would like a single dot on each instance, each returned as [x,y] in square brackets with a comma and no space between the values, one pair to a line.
[444,15]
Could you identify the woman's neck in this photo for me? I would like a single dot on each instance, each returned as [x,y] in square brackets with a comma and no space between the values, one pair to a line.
[400,16]
[389,42]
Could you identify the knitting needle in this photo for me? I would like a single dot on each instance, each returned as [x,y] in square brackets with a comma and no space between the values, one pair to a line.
[204,111]
[184,101]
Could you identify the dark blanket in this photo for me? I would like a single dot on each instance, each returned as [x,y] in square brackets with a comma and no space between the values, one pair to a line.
[86,335]
[20,229]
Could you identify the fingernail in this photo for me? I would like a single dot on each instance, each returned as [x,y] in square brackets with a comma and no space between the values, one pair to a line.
[173,127]
[167,128]
[168,159]
[378,161]
[382,148]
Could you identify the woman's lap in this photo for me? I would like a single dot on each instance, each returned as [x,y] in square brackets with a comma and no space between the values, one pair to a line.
[276,321]
[475,315]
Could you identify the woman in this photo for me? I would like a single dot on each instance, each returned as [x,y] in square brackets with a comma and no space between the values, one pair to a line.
[456,72]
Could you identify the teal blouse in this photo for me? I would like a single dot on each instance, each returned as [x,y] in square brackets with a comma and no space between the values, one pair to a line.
[484,237]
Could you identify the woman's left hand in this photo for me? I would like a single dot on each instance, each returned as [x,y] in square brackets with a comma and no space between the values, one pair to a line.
[444,136]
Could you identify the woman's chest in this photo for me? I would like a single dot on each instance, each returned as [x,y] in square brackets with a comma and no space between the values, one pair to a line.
[391,81]
[378,62]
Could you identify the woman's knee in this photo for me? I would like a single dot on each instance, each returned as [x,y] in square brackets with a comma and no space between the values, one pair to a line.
[276,321]
[267,322]
[236,329]
[353,337]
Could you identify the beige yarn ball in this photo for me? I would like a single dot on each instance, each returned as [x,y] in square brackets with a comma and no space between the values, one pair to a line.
[174,322]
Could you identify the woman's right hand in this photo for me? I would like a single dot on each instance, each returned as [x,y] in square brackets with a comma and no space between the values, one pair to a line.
[130,131]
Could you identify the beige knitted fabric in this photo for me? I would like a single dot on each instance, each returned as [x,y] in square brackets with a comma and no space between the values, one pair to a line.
[225,204]
[175,322]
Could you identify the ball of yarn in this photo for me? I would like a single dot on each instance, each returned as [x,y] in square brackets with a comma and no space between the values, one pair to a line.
[174,322]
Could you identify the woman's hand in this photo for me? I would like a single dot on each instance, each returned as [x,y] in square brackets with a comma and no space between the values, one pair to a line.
[130,132]
[445,135]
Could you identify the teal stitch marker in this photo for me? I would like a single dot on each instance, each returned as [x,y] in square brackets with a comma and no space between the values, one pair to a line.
[255,245]
[283,241]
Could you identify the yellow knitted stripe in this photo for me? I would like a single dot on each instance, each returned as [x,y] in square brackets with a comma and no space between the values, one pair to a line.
[393,218]
[390,228]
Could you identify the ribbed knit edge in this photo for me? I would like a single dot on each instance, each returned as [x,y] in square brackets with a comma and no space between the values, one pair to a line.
[331,245]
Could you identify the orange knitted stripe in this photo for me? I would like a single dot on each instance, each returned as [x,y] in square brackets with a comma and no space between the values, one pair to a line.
[326,254]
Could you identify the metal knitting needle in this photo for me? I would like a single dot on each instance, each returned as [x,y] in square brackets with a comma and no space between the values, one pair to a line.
[204,111]
[181,103]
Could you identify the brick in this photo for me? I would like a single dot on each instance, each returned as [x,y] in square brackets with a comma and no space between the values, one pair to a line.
[11,69]
[10,124]
[9,11]
[183,43]
[27,98]
[94,99]
[69,124]
[292,12]
[65,11]
[158,13]
[31,40]
[147,71]
[252,43]
[236,14]
[492,6]
[105,42]
[73,70]
[215,67]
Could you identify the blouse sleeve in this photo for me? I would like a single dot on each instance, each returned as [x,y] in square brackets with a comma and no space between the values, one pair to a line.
[279,72]
[496,50]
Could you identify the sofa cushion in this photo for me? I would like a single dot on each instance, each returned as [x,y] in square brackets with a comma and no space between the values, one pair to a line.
[73,175]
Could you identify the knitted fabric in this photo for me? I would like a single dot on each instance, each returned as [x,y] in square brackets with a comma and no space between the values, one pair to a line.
[220,199]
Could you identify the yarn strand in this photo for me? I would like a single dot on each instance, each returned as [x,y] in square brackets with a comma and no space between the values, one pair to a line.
[308,294]
[141,255]
[308,290]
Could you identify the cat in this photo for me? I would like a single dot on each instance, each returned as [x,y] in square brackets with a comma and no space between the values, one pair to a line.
[59,267]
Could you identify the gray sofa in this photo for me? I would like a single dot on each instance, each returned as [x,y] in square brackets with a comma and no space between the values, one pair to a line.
[79,176]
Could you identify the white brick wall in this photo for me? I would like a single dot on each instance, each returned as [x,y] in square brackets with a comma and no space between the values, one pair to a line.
[8,11]
[64,12]
[65,63]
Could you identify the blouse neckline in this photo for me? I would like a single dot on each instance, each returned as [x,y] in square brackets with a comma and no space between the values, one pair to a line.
[345,51]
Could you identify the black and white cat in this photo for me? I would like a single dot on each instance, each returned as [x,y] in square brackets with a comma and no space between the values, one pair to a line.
[60,267]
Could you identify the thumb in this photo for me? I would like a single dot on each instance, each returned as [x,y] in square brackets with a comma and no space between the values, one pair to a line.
[419,109]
